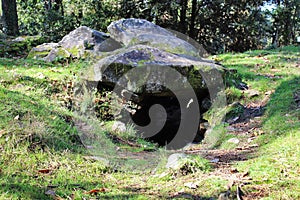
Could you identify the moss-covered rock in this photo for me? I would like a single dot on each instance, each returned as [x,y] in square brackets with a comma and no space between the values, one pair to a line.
[58,54]
[20,46]
[81,43]
[109,70]
[41,51]
[132,32]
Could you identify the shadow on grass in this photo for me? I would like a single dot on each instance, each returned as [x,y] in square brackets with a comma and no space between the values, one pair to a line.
[29,187]
[29,117]
[9,63]
[20,187]
[25,187]
[282,111]
[189,196]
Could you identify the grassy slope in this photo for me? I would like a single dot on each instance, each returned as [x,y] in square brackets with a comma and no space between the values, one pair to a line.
[275,171]
[36,133]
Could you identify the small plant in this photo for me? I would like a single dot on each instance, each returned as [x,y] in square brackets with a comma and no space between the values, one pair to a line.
[233,94]
[216,136]
[190,165]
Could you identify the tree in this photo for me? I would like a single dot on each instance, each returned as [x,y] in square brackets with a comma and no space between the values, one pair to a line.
[286,21]
[183,24]
[10,17]
[192,28]
[228,25]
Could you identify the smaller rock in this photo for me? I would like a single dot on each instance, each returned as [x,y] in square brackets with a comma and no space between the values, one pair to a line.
[242,86]
[118,127]
[233,140]
[51,193]
[41,51]
[191,185]
[19,39]
[174,160]
[253,93]
[19,86]
[82,42]
[139,31]
[57,54]
[232,120]
[215,160]
[225,196]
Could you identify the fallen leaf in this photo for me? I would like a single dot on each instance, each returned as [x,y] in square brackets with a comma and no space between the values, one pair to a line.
[96,191]
[245,174]
[2,132]
[44,171]
[58,198]
[234,170]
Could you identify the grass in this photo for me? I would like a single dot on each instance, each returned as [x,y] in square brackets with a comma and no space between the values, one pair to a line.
[275,169]
[42,156]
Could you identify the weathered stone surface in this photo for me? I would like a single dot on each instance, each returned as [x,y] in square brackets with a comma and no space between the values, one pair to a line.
[233,140]
[156,67]
[83,42]
[118,127]
[174,160]
[146,59]
[138,31]
[57,54]
[41,51]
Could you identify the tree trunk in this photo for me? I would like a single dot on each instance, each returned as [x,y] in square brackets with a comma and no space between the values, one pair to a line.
[183,26]
[192,32]
[59,5]
[294,21]
[10,17]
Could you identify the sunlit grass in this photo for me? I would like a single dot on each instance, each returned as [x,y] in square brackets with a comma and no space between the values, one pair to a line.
[37,132]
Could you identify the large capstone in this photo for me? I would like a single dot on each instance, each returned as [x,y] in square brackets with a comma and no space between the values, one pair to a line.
[151,62]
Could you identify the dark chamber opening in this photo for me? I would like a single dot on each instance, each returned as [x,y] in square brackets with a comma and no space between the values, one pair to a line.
[172,107]
[173,119]
[172,124]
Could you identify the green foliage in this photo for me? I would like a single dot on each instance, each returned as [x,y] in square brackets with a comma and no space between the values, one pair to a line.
[20,46]
[233,94]
[216,136]
[31,17]
[220,26]
[285,22]
[193,164]
[56,20]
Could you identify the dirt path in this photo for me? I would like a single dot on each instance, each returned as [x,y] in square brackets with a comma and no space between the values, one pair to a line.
[247,129]
[223,161]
